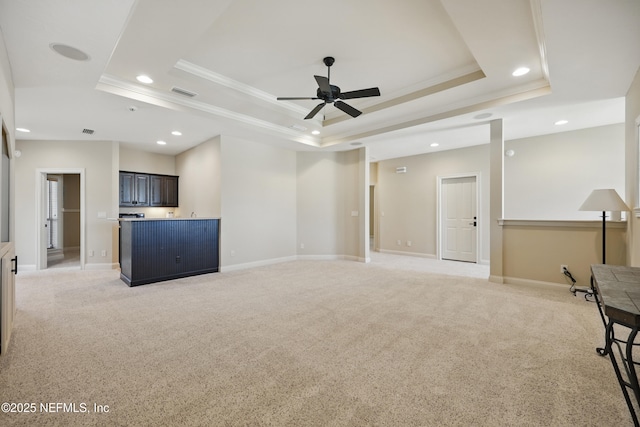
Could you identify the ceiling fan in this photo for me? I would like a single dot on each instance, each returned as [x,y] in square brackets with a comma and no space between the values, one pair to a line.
[329,93]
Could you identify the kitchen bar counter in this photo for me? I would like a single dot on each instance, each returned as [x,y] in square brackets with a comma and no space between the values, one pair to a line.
[157,249]
[164,219]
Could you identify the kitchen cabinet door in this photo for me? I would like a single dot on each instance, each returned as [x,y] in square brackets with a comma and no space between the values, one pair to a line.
[134,189]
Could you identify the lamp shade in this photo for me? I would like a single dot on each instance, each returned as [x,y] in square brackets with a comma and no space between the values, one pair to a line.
[604,200]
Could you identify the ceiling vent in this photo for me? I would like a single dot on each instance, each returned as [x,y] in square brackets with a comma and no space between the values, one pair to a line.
[183,92]
[88,131]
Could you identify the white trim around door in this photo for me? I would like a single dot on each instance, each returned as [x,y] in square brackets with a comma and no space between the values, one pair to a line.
[41,178]
[440,206]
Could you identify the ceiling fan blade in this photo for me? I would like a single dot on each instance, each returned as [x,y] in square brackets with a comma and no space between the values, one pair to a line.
[347,109]
[291,99]
[323,84]
[362,93]
[315,111]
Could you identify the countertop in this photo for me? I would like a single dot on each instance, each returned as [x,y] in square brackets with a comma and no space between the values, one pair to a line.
[165,219]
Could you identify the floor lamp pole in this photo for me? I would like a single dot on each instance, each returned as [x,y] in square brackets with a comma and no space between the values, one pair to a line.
[604,231]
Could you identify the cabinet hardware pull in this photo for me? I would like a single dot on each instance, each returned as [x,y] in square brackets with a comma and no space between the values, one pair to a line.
[15,269]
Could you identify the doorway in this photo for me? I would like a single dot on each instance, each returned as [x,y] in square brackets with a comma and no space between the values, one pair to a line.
[458,218]
[60,219]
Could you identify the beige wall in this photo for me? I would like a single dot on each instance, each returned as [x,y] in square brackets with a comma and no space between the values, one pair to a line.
[632,142]
[200,173]
[534,252]
[7,94]
[320,204]
[95,158]
[7,121]
[132,160]
[550,176]
[407,203]
[258,203]
[354,212]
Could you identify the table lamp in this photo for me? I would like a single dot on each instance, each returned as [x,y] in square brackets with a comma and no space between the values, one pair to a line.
[604,200]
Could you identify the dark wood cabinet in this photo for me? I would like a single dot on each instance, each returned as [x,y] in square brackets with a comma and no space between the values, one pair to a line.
[134,189]
[141,190]
[164,190]
[164,249]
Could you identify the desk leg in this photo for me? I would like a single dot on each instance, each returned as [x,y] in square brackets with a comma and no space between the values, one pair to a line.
[601,351]
[628,364]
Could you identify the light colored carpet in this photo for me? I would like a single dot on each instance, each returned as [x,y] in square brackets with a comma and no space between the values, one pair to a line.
[307,343]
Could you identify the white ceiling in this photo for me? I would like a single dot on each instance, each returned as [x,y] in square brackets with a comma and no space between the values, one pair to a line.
[442,66]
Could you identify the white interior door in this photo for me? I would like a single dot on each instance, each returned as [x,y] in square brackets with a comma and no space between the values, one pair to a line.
[459,219]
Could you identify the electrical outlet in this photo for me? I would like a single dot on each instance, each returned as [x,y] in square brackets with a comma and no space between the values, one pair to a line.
[301,245]
[399,242]
[104,252]
[91,252]
[408,242]
[562,267]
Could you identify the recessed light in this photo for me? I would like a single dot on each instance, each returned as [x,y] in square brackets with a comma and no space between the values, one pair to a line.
[561,122]
[161,143]
[434,144]
[142,78]
[482,116]
[520,71]
[176,133]
[69,52]
[356,144]
[315,132]
[23,130]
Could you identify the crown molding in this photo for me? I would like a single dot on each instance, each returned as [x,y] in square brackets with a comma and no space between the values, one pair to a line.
[212,76]
[115,85]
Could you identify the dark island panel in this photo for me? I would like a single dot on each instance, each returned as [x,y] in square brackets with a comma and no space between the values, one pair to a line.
[156,250]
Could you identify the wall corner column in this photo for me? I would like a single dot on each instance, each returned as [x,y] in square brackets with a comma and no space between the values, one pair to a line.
[363,225]
[496,202]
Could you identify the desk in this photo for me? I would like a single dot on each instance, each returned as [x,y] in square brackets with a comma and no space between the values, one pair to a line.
[617,292]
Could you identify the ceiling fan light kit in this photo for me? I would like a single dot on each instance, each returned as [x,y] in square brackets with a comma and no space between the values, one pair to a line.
[331,94]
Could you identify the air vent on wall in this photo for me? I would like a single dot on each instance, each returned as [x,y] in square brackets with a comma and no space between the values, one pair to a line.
[88,131]
[183,92]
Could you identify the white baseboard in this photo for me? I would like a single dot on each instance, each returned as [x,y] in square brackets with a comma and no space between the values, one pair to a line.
[496,279]
[416,254]
[262,263]
[535,284]
[333,258]
[319,257]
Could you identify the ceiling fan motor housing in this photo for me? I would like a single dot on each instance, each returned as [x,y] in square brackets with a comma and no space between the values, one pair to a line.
[331,94]
[329,97]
